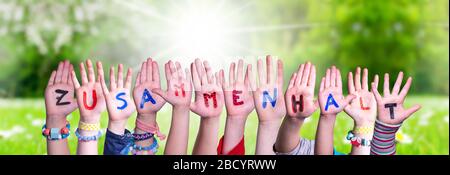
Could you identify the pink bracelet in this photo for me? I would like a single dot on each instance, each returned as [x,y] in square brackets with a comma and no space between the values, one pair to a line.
[151,129]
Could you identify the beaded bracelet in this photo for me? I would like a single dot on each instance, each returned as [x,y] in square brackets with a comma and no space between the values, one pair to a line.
[152,149]
[87,138]
[357,141]
[151,129]
[56,133]
[141,137]
[363,130]
[89,126]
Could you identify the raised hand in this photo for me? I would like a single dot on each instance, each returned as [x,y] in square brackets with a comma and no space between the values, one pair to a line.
[208,93]
[390,107]
[363,108]
[90,98]
[118,98]
[268,95]
[147,102]
[237,92]
[59,94]
[300,93]
[331,99]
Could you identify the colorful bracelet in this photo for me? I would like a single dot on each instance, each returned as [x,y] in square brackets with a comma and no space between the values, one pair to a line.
[152,149]
[151,129]
[89,126]
[56,133]
[87,138]
[141,137]
[357,141]
[363,130]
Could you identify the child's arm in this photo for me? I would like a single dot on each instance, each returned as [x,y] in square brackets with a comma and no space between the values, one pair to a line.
[363,110]
[208,105]
[391,114]
[59,102]
[239,104]
[331,102]
[179,94]
[91,103]
[300,104]
[147,102]
[269,103]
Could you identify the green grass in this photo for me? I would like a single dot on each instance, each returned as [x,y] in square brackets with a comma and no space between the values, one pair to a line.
[21,121]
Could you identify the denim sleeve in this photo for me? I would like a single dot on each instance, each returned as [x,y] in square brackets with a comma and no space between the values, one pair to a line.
[117,144]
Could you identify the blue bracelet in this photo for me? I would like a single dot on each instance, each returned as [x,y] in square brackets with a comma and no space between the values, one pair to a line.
[87,138]
[153,147]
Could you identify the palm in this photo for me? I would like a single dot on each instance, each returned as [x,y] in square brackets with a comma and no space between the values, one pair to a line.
[147,107]
[210,110]
[384,114]
[51,100]
[336,95]
[246,97]
[175,95]
[269,112]
[363,107]
[100,100]
[308,102]
[114,104]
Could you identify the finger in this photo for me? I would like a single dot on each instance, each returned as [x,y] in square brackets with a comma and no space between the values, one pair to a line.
[65,73]
[240,71]
[120,76]
[84,79]
[412,110]
[143,75]
[292,80]
[129,78]
[69,80]
[101,76]
[155,69]
[231,74]
[261,75]
[358,79]
[149,63]
[167,73]
[218,82]
[328,78]
[188,78]
[247,78]
[306,74]
[269,70]
[201,71]
[322,84]
[376,80]
[250,77]
[173,69]
[222,80]
[386,85]
[405,89]
[339,80]
[161,93]
[75,82]
[365,79]
[209,73]
[52,78]
[333,76]
[312,77]
[351,86]
[398,84]
[348,99]
[299,74]
[59,72]
[91,74]
[280,77]
[195,77]
[179,71]
[112,79]
[138,79]
[375,92]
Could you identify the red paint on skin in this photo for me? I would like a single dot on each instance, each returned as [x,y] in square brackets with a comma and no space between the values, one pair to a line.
[296,103]
[214,98]
[236,98]
[94,100]
[181,87]
[362,106]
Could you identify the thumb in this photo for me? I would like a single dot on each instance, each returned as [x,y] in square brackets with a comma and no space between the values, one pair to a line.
[160,92]
[412,110]
[193,107]
[316,104]
[348,99]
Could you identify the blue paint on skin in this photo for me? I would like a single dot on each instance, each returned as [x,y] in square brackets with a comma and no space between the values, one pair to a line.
[118,97]
[330,100]
[146,97]
[267,97]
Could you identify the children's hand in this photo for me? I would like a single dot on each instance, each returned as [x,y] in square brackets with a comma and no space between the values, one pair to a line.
[331,100]
[268,95]
[208,93]
[179,89]
[238,96]
[390,107]
[118,98]
[147,102]
[363,108]
[90,98]
[300,93]
[59,94]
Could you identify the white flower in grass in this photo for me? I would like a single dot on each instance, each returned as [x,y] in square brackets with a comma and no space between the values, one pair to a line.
[307,120]
[404,138]
[13,131]
[446,119]
[424,119]
[37,122]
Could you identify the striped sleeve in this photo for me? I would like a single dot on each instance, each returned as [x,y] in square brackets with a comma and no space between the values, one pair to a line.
[383,142]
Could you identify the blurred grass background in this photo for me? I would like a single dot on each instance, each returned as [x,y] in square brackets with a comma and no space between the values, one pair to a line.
[385,36]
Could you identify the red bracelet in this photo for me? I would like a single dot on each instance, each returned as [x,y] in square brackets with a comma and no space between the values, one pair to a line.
[150,129]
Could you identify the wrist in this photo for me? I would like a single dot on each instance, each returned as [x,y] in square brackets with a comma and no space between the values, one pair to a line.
[117,127]
[147,118]
[236,122]
[295,120]
[55,122]
[92,119]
